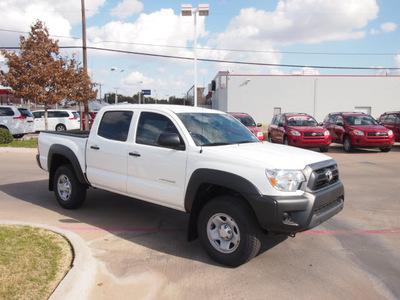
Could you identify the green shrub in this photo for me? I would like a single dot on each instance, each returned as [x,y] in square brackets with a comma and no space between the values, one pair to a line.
[5,136]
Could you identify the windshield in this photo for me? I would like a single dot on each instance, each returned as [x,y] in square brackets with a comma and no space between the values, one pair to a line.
[246,121]
[360,120]
[301,121]
[209,129]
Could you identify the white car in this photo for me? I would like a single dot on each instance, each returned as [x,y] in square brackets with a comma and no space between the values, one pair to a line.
[18,120]
[58,120]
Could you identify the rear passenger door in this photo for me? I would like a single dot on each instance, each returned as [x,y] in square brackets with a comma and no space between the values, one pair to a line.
[107,151]
[155,173]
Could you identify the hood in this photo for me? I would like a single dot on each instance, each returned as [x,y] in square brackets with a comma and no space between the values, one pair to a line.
[272,156]
[368,128]
[307,128]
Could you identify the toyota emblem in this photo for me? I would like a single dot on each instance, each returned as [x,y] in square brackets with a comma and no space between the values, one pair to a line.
[329,175]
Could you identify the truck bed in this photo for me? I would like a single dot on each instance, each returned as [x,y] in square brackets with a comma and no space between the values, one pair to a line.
[75,133]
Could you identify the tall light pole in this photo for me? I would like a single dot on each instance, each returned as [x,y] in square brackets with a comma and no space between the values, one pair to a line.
[116,85]
[202,10]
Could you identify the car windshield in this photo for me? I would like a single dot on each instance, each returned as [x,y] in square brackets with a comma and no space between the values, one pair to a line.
[360,120]
[246,121]
[210,129]
[301,121]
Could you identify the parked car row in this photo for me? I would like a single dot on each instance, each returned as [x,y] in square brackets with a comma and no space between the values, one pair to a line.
[20,121]
[352,129]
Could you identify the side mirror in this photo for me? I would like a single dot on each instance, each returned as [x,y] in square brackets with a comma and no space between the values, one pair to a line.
[170,140]
[259,125]
[339,124]
[281,125]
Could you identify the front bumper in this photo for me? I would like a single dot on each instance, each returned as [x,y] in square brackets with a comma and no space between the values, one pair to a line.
[323,198]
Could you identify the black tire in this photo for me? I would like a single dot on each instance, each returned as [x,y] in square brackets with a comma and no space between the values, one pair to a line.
[386,149]
[18,136]
[61,127]
[69,192]
[324,149]
[347,146]
[286,140]
[228,231]
[270,138]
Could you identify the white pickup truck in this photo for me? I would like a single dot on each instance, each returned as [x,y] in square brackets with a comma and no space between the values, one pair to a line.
[199,161]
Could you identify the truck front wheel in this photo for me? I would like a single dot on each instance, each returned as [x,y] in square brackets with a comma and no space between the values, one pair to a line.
[69,192]
[228,231]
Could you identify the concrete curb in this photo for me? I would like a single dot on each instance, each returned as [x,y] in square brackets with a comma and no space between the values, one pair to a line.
[78,282]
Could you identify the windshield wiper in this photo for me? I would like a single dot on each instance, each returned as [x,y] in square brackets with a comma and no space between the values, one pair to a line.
[217,144]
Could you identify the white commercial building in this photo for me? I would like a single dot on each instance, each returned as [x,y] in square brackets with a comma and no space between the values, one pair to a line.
[263,96]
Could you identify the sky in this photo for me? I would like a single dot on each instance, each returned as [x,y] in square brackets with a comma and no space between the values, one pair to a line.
[135,45]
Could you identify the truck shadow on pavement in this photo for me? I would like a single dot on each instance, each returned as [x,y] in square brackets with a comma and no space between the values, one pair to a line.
[130,231]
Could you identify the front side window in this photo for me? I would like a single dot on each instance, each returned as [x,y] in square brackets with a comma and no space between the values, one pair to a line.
[151,126]
[391,119]
[115,125]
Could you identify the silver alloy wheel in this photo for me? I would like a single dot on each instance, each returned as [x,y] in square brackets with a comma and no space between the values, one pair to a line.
[64,187]
[223,233]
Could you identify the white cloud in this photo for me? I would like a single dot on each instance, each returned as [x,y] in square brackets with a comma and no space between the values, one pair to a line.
[127,8]
[388,27]
[293,21]
[58,16]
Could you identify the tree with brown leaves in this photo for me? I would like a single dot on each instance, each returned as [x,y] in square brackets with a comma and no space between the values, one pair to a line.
[38,72]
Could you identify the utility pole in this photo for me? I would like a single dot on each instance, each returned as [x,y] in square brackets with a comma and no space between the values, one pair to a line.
[84,50]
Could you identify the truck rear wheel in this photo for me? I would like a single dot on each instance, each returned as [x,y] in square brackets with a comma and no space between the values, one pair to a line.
[69,192]
[228,231]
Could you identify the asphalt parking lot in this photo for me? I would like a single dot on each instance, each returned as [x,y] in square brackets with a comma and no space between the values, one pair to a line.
[140,250]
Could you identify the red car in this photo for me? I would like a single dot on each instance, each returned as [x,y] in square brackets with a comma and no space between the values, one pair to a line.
[298,129]
[358,130]
[391,120]
[248,121]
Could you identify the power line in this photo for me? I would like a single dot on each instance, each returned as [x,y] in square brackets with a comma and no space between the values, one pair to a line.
[220,61]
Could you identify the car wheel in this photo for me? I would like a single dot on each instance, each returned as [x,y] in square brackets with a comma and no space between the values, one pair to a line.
[69,192]
[385,149]
[348,147]
[61,127]
[18,136]
[228,231]
[286,140]
[324,149]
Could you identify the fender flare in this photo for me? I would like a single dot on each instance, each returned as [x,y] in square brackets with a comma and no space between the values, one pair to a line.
[196,196]
[67,156]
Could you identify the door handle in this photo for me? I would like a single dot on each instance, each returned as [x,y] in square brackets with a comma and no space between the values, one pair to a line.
[134,154]
[94,148]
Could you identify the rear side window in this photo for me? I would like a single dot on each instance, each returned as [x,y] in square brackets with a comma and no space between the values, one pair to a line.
[24,112]
[6,112]
[115,125]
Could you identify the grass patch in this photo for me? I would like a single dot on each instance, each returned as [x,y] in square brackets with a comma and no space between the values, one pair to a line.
[31,143]
[32,262]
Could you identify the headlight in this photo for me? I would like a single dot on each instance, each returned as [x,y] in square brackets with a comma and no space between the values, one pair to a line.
[327,133]
[390,132]
[260,134]
[285,180]
[358,132]
[295,133]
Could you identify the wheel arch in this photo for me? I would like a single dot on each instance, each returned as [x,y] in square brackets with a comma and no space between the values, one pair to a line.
[60,155]
[206,184]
